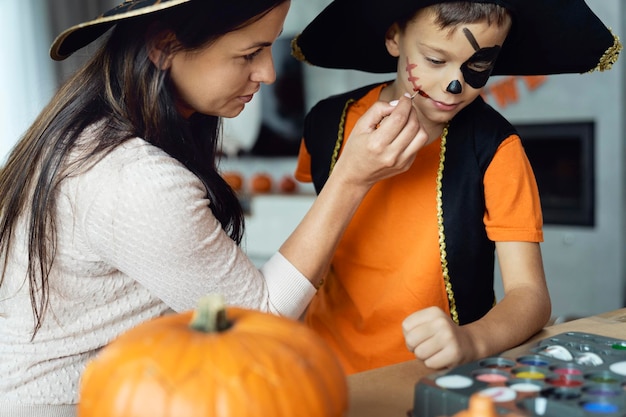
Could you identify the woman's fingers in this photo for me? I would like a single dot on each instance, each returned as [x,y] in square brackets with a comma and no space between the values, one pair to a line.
[386,118]
[400,135]
[384,142]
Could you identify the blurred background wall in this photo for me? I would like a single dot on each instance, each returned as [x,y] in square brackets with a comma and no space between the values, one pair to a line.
[27,79]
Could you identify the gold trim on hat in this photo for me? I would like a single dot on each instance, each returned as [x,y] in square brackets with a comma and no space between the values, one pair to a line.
[132,11]
[610,56]
[296,52]
[111,19]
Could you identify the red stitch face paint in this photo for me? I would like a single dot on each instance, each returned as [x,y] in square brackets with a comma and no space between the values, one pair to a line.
[411,77]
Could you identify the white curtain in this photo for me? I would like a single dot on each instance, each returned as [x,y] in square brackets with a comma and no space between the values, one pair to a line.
[27,76]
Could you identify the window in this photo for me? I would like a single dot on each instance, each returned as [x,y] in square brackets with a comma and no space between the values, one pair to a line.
[562,156]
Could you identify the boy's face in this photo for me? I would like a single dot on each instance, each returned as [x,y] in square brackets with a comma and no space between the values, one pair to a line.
[447,68]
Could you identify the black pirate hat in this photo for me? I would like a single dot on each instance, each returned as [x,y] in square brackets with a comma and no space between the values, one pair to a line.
[547,36]
[82,34]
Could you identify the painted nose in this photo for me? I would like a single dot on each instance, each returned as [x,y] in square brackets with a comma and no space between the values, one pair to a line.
[454,87]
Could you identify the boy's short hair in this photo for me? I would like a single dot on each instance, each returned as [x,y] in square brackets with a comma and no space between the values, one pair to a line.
[455,13]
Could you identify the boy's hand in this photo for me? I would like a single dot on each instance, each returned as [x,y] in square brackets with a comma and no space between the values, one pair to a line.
[437,340]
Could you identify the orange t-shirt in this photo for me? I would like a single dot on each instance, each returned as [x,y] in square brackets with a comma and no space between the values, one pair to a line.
[387,264]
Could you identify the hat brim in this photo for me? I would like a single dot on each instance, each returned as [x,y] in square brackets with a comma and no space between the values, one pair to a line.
[547,37]
[79,36]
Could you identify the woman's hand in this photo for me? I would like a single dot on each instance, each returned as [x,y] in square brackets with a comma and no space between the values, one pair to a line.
[383,143]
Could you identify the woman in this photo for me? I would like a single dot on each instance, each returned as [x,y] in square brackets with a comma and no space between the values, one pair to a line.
[113,210]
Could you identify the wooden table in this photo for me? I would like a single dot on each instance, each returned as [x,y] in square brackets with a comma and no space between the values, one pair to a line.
[388,391]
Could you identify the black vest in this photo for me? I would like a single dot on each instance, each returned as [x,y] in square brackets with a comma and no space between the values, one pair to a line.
[473,138]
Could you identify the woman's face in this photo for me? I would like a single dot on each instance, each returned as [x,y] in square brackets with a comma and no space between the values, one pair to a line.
[220,79]
[445,68]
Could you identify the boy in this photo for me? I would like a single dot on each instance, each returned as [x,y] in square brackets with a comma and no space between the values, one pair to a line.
[415,266]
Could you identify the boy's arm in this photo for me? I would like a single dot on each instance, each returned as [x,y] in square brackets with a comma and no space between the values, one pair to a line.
[524,310]
[525,307]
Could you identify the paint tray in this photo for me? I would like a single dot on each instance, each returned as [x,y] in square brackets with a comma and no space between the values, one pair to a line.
[571,374]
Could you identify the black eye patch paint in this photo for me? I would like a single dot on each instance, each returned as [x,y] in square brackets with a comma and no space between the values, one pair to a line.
[483,58]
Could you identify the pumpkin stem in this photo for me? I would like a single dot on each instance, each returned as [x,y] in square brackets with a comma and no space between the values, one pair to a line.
[210,316]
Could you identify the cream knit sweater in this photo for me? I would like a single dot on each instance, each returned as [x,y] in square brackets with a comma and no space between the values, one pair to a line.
[137,239]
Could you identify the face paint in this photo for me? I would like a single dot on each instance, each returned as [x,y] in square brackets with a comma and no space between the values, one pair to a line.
[477,69]
[454,87]
[412,78]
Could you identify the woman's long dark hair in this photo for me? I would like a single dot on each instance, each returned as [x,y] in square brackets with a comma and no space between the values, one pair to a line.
[123,89]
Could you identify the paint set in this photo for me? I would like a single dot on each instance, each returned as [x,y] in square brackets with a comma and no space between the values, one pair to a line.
[571,374]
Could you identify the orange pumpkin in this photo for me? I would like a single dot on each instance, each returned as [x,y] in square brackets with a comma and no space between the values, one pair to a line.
[288,185]
[261,183]
[234,179]
[482,406]
[215,362]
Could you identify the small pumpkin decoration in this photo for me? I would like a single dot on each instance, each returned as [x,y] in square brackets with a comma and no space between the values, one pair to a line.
[288,185]
[261,183]
[215,362]
[234,179]
[482,406]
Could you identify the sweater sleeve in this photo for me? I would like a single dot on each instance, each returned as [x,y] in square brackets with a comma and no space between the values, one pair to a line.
[146,215]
